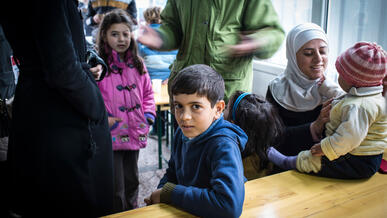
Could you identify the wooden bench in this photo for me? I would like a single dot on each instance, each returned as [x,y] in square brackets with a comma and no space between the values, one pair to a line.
[294,194]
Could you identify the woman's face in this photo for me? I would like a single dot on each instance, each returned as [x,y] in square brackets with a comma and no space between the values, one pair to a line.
[312,58]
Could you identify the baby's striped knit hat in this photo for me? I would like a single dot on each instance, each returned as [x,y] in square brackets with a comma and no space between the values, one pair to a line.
[363,65]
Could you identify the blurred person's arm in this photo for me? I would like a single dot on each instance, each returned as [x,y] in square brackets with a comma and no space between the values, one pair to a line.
[169,35]
[262,33]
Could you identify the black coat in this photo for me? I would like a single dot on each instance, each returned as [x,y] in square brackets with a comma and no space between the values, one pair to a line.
[7,79]
[60,148]
[7,88]
[297,136]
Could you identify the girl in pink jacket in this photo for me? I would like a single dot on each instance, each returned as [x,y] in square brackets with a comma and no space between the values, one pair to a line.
[128,96]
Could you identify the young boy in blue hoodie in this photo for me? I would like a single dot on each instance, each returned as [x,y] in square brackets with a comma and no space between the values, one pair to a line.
[205,172]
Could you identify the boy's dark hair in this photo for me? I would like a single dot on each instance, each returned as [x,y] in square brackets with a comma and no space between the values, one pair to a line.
[200,79]
[260,121]
[117,16]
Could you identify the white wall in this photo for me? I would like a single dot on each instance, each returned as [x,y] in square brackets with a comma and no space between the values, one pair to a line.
[263,73]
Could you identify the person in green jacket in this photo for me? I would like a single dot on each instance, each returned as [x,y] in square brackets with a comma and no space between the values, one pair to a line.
[223,34]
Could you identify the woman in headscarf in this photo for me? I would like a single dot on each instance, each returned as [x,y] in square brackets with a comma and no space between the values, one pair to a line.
[299,92]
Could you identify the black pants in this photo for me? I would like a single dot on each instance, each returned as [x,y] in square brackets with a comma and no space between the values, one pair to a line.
[350,166]
[4,189]
[125,180]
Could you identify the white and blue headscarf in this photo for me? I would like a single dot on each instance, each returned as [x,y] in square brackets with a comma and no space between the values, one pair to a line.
[293,90]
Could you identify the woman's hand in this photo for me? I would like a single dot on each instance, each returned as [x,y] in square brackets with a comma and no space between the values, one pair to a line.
[316,150]
[317,127]
[322,79]
[97,71]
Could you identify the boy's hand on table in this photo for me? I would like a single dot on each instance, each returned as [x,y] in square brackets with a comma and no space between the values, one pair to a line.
[154,198]
[316,150]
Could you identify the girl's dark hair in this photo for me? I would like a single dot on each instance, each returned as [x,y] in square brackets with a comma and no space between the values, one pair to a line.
[105,51]
[260,121]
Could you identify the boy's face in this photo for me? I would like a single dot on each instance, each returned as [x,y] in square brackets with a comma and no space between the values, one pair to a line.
[194,113]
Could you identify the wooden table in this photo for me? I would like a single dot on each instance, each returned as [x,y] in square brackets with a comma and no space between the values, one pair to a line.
[152,211]
[162,98]
[293,194]
[162,104]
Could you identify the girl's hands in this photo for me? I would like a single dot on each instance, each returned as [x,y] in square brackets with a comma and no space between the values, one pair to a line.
[113,120]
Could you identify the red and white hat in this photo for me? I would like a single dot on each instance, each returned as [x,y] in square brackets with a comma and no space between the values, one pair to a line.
[363,65]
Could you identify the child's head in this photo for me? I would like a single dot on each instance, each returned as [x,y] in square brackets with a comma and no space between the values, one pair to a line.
[362,65]
[115,33]
[198,93]
[152,15]
[258,118]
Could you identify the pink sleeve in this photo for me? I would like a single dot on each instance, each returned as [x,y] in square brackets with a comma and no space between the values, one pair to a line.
[148,99]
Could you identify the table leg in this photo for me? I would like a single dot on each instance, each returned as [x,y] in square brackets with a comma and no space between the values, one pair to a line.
[159,132]
[167,126]
[172,129]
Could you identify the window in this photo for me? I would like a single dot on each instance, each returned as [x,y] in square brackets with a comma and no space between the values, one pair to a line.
[350,21]
[142,5]
[345,21]
[290,13]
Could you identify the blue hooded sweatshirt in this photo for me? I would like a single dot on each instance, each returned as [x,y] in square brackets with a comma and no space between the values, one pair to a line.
[208,171]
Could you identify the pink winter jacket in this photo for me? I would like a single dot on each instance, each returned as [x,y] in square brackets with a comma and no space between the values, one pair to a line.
[127,95]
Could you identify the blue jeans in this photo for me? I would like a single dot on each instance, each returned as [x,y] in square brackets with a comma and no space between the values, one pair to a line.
[350,166]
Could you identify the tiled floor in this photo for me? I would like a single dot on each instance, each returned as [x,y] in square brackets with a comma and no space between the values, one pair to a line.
[149,172]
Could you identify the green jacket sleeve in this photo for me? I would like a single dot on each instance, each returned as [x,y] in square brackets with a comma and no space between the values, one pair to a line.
[261,19]
[170,29]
